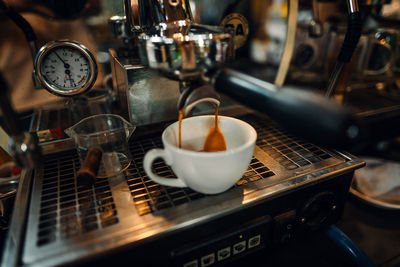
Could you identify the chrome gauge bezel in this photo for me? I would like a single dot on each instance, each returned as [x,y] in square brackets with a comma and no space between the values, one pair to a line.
[47,49]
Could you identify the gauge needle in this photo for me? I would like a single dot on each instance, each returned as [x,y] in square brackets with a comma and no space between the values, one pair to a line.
[66,65]
[67,71]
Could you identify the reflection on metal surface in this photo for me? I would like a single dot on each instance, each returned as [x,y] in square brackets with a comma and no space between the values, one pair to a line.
[143,15]
[186,51]
[145,97]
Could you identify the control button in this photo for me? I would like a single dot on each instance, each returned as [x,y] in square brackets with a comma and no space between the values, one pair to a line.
[239,247]
[254,241]
[207,260]
[224,253]
[192,263]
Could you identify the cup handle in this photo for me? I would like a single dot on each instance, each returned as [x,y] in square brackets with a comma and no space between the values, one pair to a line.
[148,160]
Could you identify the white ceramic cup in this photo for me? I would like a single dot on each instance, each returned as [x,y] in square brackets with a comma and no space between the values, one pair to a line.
[205,172]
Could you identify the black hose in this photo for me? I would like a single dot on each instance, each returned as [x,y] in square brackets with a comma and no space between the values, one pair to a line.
[22,23]
[25,27]
[351,38]
[350,42]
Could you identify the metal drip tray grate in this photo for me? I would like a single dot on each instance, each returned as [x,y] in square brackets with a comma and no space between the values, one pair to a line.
[149,196]
[66,209]
[291,152]
[71,220]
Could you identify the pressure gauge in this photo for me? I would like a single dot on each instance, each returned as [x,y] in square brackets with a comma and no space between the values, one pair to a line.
[65,68]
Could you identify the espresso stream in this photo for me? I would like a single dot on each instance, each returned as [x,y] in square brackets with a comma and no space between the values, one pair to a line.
[215,140]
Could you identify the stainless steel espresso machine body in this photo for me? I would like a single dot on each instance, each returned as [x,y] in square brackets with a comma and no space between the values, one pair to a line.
[292,187]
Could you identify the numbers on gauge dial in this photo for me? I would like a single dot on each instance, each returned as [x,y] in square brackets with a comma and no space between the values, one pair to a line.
[65,68]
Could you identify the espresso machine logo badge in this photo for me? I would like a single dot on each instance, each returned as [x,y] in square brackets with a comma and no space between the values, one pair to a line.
[240,27]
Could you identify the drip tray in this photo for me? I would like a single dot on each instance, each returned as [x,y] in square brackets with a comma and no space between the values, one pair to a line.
[67,222]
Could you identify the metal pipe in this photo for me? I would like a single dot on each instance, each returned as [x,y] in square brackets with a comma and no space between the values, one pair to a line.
[334,79]
[144,15]
[352,6]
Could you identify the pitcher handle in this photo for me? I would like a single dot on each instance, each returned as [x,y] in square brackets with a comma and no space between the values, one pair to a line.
[148,160]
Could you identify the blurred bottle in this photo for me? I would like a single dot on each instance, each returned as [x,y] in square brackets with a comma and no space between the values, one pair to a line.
[260,11]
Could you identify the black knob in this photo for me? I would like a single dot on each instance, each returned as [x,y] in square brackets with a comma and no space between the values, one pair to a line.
[319,210]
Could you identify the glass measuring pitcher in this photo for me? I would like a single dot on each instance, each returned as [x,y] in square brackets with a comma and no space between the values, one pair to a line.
[108,132]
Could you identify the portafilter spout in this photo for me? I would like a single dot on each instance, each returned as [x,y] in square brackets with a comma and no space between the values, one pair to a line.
[192,96]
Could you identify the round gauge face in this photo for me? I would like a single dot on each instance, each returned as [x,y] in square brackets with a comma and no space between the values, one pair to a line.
[65,68]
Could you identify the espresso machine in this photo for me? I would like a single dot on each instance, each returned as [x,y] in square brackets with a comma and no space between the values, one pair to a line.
[167,59]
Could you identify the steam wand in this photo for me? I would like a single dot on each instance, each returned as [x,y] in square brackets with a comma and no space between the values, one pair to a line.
[349,45]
